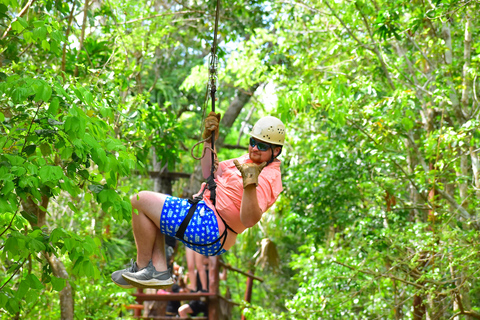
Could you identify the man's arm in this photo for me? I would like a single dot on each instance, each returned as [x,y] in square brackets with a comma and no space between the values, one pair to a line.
[211,126]
[250,212]
[206,161]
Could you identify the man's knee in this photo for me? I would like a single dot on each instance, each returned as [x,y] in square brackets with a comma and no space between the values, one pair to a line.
[184,310]
[136,198]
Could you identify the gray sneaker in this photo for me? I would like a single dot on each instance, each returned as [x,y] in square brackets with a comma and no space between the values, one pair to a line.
[117,275]
[149,277]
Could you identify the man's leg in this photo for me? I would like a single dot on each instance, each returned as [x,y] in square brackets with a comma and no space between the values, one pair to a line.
[192,275]
[147,209]
[201,269]
[159,257]
[184,311]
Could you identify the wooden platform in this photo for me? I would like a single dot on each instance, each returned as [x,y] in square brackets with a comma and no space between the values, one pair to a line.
[140,297]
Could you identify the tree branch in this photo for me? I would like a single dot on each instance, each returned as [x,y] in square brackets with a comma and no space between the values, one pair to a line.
[67,34]
[447,36]
[21,14]
[375,48]
[82,34]
[378,274]
[9,225]
[466,57]
[162,15]
[346,27]
[455,204]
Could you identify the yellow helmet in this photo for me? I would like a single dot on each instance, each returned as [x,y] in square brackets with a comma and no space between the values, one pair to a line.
[269,129]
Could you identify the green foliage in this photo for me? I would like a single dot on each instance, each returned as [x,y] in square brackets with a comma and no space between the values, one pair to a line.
[380,166]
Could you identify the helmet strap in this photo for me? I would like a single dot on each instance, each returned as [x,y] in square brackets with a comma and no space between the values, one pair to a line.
[273,152]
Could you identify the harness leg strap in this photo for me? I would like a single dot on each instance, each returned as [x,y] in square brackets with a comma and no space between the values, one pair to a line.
[183,226]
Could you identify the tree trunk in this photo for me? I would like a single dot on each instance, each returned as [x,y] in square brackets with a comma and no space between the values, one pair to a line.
[476,170]
[59,271]
[82,35]
[419,309]
[66,295]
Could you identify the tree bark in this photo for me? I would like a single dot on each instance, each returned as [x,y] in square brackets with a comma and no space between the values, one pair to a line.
[66,295]
[82,35]
[476,170]
[466,57]
[67,34]
[59,270]
[448,55]
[21,14]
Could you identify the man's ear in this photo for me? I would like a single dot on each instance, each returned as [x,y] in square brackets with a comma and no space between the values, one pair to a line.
[277,151]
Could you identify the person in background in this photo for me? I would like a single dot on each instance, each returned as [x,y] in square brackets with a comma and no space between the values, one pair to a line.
[197,269]
[201,284]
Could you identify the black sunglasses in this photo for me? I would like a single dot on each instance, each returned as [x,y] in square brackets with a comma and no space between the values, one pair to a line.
[262,146]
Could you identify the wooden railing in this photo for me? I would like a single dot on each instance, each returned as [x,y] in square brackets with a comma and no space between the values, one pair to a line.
[212,297]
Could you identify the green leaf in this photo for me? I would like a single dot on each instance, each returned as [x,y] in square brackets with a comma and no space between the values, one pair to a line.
[29,150]
[12,245]
[57,234]
[34,282]
[8,186]
[36,245]
[2,117]
[54,105]
[50,173]
[45,149]
[69,243]
[40,33]
[3,299]
[44,92]
[57,35]
[45,45]
[23,22]
[28,36]
[88,97]
[96,188]
[72,206]
[22,288]
[58,283]
[3,9]
[30,217]
[13,306]
[17,26]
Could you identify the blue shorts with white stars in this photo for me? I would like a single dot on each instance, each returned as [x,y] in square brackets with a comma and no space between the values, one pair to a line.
[202,233]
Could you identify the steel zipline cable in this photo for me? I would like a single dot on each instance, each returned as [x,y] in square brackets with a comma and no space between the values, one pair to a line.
[212,85]
[213,79]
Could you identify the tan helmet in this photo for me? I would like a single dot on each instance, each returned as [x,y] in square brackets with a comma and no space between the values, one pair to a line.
[269,129]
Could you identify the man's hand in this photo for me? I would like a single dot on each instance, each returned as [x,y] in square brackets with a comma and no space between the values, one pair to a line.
[211,124]
[250,172]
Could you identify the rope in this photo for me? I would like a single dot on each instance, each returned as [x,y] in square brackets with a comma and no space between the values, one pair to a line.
[203,151]
[212,79]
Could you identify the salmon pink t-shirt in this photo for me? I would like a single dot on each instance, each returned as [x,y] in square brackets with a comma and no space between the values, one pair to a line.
[229,190]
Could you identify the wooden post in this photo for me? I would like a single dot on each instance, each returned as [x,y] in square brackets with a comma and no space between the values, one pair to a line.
[213,305]
[138,312]
[248,292]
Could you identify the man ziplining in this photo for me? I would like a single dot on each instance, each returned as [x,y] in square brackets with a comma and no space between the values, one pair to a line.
[242,190]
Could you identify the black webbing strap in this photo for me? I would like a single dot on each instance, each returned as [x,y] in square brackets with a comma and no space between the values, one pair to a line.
[212,186]
[183,226]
